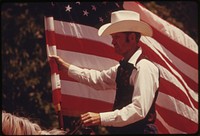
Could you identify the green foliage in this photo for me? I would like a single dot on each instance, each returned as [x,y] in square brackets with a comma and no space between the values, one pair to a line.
[26,75]
[26,85]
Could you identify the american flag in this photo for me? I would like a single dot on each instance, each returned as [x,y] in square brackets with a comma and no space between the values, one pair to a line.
[71,32]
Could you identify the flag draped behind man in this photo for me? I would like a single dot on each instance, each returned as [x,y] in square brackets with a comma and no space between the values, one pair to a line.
[71,32]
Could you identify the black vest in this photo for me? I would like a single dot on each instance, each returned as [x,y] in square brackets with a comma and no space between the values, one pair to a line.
[124,93]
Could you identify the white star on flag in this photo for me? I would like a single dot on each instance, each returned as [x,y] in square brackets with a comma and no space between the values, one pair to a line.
[68,8]
[79,3]
[101,19]
[85,12]
[94,8]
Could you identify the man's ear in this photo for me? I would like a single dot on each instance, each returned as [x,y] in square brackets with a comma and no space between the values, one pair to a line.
[132,37]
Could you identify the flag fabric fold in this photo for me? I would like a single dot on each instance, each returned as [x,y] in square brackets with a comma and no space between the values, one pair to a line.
[71,32]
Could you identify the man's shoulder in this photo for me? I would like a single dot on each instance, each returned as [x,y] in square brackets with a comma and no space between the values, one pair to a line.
[146,63]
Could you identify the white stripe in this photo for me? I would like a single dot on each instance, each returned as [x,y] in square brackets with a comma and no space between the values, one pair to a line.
[55,81]
[51,50]
[171,129]
[81,90]
[170,103]
[86,60]
[163,26]
[80,31]
[148,42]
[49,23]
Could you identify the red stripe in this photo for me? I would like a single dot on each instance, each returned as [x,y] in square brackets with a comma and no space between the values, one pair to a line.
[193,85]
[56,94]
[50,37]
[73,103]
[174,120]
[161,128]
[177,49]
[86,46]
[172,90]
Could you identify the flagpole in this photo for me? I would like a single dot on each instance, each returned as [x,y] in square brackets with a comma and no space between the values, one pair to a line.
[51,50]
[60,117]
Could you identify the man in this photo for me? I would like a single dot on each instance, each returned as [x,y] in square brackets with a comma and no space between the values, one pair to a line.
[136,79]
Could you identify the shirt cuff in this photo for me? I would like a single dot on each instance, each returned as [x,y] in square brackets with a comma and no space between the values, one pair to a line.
[73,71]
[107,118]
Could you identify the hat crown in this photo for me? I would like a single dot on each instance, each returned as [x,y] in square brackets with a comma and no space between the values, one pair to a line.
[125,21]
[124,15]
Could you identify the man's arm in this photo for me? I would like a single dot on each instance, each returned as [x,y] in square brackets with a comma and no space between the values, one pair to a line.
[100,80]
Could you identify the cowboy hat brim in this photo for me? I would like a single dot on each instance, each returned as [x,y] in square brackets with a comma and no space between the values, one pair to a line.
[126,26]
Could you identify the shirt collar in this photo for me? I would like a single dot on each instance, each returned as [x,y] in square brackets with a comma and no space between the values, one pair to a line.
[135,56]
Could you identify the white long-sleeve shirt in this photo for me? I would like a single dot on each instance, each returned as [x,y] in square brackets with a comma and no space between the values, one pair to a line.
[145,79]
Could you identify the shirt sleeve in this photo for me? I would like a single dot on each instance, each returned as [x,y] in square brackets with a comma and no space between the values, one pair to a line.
[96,79]
[146,82]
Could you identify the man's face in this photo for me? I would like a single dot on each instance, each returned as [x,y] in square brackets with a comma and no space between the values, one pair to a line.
[123,42]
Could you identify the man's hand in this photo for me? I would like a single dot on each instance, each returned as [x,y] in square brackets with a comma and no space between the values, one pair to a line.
[91,119]
[60,62]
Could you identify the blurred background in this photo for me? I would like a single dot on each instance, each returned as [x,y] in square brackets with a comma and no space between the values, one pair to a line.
[26,82]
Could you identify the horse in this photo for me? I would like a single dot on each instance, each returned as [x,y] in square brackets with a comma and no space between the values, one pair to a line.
[15,125]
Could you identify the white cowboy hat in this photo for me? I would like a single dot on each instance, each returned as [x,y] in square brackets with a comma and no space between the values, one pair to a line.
[125,21]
